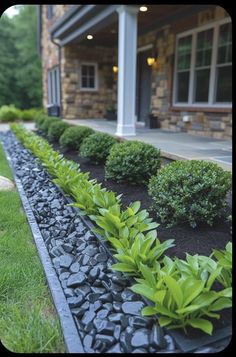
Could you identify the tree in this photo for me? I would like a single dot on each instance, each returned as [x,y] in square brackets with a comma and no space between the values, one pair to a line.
[7,62]
[20,63]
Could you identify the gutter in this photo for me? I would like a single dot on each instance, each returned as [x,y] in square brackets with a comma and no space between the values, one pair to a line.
[59,50]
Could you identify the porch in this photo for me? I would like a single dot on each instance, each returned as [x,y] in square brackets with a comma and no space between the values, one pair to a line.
[174,145]
[96,39]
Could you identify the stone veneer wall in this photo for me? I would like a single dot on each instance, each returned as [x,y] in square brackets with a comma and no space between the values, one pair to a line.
[205,123]
[50,52]
[87,104]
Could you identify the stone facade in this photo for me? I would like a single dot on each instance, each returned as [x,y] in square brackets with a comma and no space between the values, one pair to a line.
[215,123]
[83,104]
[76,103]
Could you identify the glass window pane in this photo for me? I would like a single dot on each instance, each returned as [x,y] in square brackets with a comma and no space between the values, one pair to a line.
[84,82]
[183,86]
[224,84]
[184,52]
[204,48]
[84,70]
[91,82]
[225,44]
[91,70]
[202,77]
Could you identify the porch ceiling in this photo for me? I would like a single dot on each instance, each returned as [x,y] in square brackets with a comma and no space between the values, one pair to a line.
[102,22]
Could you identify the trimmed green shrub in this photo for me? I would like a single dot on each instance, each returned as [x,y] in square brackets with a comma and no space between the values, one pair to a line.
[72,137]
[132,161]
[47,122]
[97,146]
[9,113]
[56,130]
[189,191]
[28,114]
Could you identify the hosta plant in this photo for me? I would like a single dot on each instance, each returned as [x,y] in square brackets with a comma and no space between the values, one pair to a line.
[90,197]
[182,301]
[224,260]
[126,233]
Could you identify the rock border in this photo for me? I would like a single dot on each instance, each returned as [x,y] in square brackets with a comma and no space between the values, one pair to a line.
[71,336]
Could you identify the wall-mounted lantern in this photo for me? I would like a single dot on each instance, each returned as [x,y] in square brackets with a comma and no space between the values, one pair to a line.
[115,69]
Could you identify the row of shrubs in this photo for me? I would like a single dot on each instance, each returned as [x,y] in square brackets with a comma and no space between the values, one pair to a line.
[191,191]
[183,291]
[9,113]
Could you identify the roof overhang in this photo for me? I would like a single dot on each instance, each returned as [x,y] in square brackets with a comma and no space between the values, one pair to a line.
[80,20]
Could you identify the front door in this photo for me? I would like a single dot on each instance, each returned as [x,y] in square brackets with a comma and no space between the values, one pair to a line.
[143,89]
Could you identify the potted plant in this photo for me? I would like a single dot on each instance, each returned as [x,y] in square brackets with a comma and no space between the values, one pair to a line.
[111,112]
[154,121]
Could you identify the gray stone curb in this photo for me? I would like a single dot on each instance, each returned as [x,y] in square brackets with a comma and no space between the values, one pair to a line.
[71,336]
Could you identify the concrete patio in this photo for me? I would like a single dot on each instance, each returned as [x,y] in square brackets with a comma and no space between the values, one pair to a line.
[174,145]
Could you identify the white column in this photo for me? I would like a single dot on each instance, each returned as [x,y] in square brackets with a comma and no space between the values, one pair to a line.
[127,58]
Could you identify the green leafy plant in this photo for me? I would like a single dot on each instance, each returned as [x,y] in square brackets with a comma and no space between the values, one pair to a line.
[90,197]
[68,174]
[132,161]
[56,130]
[125,232]
[97,146]
[73,137]
[182,301]
[190,191]
[9,113]
[224,260]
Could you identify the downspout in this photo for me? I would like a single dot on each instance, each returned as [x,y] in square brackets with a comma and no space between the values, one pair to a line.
[60,89]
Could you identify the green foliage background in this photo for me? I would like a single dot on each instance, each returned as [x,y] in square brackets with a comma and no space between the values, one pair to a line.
[20,64]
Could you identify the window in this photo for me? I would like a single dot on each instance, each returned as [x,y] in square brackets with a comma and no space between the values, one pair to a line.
[89,76]
[203,68]
[50,11]
[54,86]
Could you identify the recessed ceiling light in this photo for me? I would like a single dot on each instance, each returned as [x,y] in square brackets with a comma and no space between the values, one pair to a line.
[143,8]
[89,37]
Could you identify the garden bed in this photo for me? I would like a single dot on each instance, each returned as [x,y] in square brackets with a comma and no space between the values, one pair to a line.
[200,240]
[117,346]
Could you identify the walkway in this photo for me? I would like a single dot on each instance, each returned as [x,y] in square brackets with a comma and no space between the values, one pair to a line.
[174,145]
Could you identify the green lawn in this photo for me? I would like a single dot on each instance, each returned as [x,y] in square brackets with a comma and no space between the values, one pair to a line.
[28,322]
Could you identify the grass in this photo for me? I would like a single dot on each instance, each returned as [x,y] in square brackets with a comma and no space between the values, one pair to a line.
[28,321]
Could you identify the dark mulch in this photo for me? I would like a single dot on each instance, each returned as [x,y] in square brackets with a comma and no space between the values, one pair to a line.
[199,240]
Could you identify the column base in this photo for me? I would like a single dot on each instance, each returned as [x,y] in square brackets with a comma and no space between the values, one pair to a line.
[125,130]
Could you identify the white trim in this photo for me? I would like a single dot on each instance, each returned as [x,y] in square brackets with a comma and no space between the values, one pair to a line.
[144,48]
[85,89]
[215,25]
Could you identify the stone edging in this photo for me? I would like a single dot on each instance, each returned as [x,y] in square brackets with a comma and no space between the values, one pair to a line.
[70,332]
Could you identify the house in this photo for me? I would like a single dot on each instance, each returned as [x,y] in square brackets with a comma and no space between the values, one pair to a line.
[171,61]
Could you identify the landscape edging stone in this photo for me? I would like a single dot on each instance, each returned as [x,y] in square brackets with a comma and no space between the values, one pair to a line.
[71,336]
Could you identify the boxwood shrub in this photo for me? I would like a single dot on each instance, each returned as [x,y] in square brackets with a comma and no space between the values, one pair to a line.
[47,122]
[189,191]
[56,129]
[72,137]
[97,146]
[132,161]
